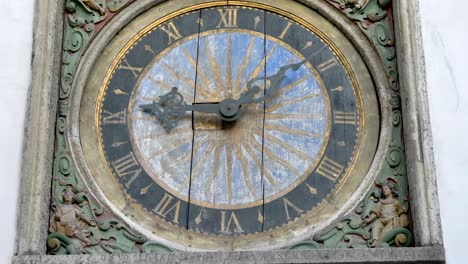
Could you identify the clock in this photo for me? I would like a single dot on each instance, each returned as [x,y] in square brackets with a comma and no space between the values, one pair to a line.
[215,126]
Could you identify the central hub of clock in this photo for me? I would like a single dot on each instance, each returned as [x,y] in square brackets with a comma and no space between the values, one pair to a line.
[229,109]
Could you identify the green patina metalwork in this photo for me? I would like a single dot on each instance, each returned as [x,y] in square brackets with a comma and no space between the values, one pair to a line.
[350,231]
[110,235]
[375,21]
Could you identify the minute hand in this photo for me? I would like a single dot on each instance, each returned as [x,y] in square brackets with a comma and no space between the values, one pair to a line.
[275,84]
[172,107]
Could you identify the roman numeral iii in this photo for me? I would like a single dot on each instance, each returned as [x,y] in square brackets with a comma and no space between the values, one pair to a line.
[330,169]
[345,118]
[327,65]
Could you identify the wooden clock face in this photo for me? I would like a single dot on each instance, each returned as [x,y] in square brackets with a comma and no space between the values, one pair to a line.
[281,163]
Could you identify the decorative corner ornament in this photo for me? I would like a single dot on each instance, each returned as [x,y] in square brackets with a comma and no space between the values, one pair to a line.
[75,228]
[351,3]
[78,224]
[388,219]
[95,6]
[381,219]
[70,224]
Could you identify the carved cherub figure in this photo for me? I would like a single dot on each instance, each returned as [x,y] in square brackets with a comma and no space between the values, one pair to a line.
[94,6]
[71,220]
[351,3]
[388,215]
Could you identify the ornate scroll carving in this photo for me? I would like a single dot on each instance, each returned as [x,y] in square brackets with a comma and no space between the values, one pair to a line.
[381,219]
[351,3]
[78,224]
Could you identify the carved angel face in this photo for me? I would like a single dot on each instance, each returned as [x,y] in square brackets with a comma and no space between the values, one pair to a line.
[386,191]
[68,196]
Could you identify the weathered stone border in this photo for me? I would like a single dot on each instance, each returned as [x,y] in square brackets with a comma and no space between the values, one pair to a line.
[33,209]
[424,255]
[38,144]
[416,122]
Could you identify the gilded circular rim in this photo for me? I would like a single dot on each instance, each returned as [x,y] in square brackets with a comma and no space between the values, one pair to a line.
[247,241]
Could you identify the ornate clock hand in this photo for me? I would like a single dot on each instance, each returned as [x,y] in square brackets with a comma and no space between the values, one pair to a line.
[169,110]
[275,84]
[171,106]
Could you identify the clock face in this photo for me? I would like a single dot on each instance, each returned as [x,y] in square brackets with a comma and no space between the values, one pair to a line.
[286,162]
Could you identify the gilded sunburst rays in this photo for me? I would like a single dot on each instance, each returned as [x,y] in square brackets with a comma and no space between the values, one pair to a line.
[266,152]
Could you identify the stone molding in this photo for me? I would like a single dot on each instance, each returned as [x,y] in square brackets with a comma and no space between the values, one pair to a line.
[424,255]
[416,122]
[34,198]
[38,142]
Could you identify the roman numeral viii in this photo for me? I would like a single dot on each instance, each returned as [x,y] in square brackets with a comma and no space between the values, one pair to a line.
[345,118]
[127,165]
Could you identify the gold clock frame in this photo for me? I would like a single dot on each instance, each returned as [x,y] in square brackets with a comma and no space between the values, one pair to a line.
[96,173]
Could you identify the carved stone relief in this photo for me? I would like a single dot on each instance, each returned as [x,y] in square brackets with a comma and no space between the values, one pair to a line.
[369,225]
[79,224]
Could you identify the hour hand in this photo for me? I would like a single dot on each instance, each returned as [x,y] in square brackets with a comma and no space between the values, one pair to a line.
[171,107]
[168,110]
